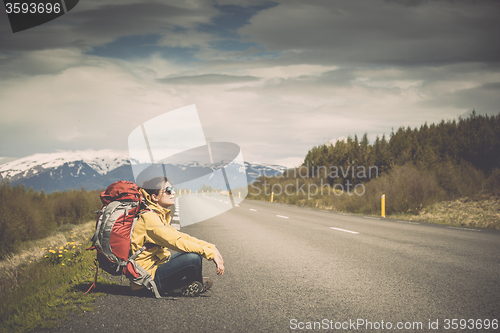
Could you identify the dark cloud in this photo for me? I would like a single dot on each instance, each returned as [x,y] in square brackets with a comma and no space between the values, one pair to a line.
[415,3]
[407,3]
[90,27]
[485,99]
[378,32]
[208,79]
[340,78]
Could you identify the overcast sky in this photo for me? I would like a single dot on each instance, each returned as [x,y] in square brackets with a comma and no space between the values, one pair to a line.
[276,78]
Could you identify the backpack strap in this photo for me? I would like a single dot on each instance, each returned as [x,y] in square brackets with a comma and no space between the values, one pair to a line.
[143,208]
[140,276]
[98,226]
[134,256]
[92,286]
[151,285]
[135,221]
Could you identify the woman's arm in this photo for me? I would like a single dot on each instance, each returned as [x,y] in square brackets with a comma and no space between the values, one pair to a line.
[219,262]
[167,236]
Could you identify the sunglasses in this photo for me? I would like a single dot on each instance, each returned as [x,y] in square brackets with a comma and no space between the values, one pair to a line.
[169,190]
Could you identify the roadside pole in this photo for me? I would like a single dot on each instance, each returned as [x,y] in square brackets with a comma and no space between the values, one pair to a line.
[383,206]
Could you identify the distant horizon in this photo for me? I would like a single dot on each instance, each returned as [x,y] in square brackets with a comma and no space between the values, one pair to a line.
[7,159]
[90,151]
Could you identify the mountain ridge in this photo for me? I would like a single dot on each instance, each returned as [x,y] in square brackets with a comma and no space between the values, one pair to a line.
[89,169]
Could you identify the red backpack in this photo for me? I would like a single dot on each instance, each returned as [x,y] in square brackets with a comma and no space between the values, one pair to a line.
[115,222]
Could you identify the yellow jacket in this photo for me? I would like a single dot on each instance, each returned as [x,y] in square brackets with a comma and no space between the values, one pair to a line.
[154,228]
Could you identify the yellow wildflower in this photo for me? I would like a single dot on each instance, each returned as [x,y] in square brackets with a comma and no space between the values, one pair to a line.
[60,256]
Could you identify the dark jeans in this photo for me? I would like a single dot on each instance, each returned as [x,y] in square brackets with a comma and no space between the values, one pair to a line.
[182,269]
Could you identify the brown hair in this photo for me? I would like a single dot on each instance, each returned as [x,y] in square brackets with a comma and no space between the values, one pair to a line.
[153,186]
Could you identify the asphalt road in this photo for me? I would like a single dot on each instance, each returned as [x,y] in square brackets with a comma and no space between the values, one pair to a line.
[290,269]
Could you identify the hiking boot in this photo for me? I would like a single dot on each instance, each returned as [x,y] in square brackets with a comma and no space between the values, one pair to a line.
[207,284]
[193,289]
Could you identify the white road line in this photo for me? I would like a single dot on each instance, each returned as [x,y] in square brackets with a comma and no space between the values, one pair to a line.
[408,222]
[464,229]
[253,210]
[349,231]
[285,217]
[373,218]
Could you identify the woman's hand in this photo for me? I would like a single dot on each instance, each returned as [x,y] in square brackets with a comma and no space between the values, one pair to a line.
[219,262]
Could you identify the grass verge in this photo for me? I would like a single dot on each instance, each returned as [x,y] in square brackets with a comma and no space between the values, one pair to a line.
[481,212]
[41,286]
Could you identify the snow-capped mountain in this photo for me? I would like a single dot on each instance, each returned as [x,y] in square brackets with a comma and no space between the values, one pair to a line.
[255,171]
[65,170]
[102,162]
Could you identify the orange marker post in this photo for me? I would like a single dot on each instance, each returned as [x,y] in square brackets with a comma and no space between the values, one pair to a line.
[383,205]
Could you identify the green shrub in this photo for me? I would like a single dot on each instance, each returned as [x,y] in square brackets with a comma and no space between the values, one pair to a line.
[459,180]
[29,215]
[407,189]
